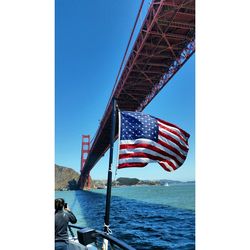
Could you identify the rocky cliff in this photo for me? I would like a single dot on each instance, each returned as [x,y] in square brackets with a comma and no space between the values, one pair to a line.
[66,178]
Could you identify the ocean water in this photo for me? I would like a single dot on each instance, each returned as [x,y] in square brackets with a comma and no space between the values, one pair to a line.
[145,217]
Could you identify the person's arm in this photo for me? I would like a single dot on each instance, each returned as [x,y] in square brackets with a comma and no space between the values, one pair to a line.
[72,217]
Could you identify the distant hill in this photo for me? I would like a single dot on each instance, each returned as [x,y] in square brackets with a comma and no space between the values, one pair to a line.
[127,181]
[124,181]
[66,178]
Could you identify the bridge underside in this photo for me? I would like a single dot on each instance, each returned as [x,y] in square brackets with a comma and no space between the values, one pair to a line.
[165,42]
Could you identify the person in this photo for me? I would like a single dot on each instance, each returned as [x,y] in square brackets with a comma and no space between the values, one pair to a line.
[63,216]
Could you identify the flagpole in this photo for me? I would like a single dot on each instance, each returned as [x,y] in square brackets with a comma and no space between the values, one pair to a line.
[118,144]
[109,181]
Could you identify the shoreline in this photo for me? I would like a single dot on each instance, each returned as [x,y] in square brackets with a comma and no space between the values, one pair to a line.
[174,183]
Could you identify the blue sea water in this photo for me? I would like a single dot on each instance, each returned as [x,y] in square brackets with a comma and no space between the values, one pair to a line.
[145,217]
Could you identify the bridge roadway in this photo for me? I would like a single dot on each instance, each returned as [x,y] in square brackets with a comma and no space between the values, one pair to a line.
[163,45]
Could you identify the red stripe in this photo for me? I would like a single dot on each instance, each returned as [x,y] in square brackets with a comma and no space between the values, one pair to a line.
[170,124]
[164,167]
[132,165]
[158,150]
[145,155]
[166,145]
[169,163]
[172,140]
[173,132]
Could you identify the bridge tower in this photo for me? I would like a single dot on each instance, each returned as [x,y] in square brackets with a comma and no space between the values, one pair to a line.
[84,154]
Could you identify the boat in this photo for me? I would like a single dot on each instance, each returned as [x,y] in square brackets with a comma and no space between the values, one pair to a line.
[90,239]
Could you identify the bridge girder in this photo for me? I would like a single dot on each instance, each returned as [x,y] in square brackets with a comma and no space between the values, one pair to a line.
[164,44]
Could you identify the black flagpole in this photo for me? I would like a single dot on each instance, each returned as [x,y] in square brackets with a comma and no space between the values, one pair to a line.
[109,182]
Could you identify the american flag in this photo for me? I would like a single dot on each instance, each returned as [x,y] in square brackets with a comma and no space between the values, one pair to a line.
[144,139]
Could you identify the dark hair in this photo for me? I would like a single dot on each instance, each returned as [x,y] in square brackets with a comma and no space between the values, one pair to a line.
[59,204]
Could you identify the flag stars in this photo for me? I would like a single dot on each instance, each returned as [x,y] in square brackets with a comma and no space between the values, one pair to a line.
[137,125]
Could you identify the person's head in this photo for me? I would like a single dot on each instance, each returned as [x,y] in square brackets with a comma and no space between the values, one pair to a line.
[59,204]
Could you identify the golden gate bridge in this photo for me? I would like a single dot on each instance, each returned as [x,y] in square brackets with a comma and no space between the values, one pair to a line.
[165,42]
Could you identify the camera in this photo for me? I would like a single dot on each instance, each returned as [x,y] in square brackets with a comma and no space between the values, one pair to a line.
[65,205]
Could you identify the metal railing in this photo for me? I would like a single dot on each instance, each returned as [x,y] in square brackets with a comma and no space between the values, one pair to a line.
[99,234]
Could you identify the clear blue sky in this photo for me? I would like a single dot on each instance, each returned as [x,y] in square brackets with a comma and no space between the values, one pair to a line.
[90,41]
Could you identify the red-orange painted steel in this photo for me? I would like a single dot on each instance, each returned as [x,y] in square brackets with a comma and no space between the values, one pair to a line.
[89,182]
[165,42]
[84,154]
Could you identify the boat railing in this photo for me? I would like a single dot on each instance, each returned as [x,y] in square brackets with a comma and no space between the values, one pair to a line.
[94,234]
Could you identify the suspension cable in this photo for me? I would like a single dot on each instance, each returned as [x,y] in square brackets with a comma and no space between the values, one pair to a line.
[130,38]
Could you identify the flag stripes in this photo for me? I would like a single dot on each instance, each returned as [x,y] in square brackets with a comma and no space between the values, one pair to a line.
[150,149]
[140,145]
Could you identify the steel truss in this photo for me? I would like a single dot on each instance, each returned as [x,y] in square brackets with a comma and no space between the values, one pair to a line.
[165,42]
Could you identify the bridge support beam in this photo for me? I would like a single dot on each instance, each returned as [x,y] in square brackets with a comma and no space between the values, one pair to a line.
[164,44]
[85,181]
